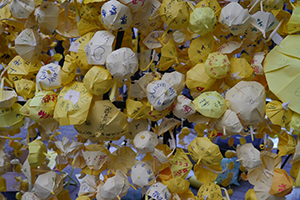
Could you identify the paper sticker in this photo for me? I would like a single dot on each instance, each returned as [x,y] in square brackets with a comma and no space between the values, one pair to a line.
[72,95]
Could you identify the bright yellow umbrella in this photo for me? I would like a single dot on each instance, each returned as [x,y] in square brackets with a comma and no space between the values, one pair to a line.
[200,48]
[278,112]
[210,191]
[168,55]
[181,164]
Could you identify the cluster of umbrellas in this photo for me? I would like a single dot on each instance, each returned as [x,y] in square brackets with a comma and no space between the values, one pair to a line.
[209,62]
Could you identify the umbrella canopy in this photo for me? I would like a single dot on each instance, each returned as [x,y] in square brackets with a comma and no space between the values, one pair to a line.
[217,65]
[282,183]
[88,186]
[183,107]
[210,191]
[247,100]
[99,47]
[30,196]
[116,16]
[138,89]
[67,25]
[49,77]
[136,126]
[25,88]
[37,150]
[293,24]
[235,18]
[200,48]
[202,20]
[181,164]
[41,106]
[104,122]
[257,63]
[77,51]
[210,104]
[122,63]
[151,41]
[147,18]
[159,191]
[11,118]
[114,187]
[68,71]
[283,61]
[294,125]
[73,103]
[95,159]
[98,80]
[240,70]
[4,162]
[142,174]
[278,112]
[161,94]
[66,147]
[204,151]
[7,97]
[230,122]
[264,21]
[248,155]
[145,141]
[168,55]
[176,79]
[123,159]
[28,45]
[48,185]
[197,80]
[46,15]
[175,14]
[135,5]
[21,9]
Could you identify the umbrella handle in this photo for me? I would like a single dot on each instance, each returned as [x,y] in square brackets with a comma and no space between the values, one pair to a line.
[226,193]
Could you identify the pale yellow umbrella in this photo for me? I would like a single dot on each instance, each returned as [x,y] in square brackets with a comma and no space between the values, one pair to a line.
[28,45]
[161,94]
[142,174]
[145,141]
[135,5]
[209,191]
[168,55]
[30,196]
[257,63]
[37,153]
[247,100]
[147,18]
[294,125]
[67,24]
[98,47]
[7,97]
[21,9]
[175,14]
[11,118]
[217,65]
[4,162]
[159,191]
[138,89]
[202,20]
[46,16]
[116,16]
[88,186]
[264,21]
[229,123]
[68,71]
[210,104]
[176,79]
[49,77]
[183,107]
[136,126]
[48,185]
[235,18]
[248,156]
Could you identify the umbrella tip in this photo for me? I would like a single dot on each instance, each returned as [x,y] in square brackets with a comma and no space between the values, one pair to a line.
[48,71]
[285,105]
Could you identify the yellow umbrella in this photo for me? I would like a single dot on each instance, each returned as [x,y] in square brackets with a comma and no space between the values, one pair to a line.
[217,65]
[68,71]
[37,153]
[200,48]
[282,183]
[209,191]
[25,88]
[278,112]
[98,80]
[78,52]
[4,162]
[168,56]
[67,24]
[123,159]
[213,4]
[287,144]
[147,18]
[90,11]
[240,70]
[21,9]
[177,185]
[73,103]
[175,14]
[197,80]
[183,107]
[294,125]
[203,151]
[11,118]
[210,104]
[181,164]
[293,24]
[103,122]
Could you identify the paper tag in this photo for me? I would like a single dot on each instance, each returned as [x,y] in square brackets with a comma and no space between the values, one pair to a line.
[74,47]
[72,95]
